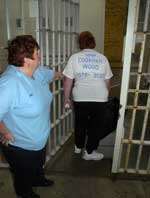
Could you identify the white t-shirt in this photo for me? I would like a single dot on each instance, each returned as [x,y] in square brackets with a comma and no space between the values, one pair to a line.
[89,69]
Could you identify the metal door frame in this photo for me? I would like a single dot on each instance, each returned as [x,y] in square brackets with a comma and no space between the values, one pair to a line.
[130,41]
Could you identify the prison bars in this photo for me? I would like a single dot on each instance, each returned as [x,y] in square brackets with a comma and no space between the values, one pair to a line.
[130,141]
[62,120]
[55,38]
[124,85]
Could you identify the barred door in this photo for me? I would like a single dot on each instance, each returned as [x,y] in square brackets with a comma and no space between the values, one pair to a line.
[58,31]
[55,24]
[132,146]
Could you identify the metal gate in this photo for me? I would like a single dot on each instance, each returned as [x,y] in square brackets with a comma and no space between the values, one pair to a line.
[55,24]
[132,145]
[58,31]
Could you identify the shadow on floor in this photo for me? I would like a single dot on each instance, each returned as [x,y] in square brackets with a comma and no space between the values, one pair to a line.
[76,178]
[67,162]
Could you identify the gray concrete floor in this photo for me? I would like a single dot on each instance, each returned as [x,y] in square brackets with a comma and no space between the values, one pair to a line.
[77,178]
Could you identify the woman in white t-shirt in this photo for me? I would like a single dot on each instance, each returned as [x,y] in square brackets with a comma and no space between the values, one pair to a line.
[87,81]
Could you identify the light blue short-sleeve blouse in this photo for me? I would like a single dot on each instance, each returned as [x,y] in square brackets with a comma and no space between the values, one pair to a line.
[25,106]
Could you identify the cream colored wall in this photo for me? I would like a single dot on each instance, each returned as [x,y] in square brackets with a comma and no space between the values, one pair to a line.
[28,24]
[92,18]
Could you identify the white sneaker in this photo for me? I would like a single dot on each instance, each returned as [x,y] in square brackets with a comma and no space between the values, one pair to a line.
[77,150]
[92,156]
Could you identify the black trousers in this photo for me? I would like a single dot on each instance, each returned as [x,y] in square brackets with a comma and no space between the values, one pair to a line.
[89,121]
[26,167]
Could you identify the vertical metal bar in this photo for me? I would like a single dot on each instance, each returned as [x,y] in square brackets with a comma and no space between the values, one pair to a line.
[7,18]
[37,23]
[125,82]
[75,27]
[53,63]
[135,101]
[146,16]
[41,33]
[64,60]
[78,27]
[46,32]
[71,121]
[76,24]
[59,68]
[72,27]
[64,29]
[68,53]
[22,16]
[69,28]
[143,131]
[148,165]
[136,25]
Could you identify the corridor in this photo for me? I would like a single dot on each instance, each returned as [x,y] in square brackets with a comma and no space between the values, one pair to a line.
[75,177]
[123,35]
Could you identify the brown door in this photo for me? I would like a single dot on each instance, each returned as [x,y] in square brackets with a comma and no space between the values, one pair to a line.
[115,21]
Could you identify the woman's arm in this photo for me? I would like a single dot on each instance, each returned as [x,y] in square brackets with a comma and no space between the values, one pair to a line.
[67,83]
[108,84]
[5,135]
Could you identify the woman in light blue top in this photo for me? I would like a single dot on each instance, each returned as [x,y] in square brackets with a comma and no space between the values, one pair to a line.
[25,114]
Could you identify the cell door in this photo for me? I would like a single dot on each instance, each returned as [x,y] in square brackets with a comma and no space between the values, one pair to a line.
[55,25]
[132,146]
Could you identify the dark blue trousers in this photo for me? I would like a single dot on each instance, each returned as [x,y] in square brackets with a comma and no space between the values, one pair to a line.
[89,128]
[26,167]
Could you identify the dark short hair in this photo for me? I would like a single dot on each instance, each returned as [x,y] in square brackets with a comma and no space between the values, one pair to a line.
[86,40]
[21,47]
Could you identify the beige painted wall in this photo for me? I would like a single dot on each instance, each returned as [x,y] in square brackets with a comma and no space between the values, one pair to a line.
[92,18]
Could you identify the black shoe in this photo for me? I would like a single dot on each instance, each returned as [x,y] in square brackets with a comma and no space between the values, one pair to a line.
[29,195]
[44,183]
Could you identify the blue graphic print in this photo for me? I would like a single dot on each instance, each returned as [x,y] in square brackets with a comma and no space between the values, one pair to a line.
[91,65]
